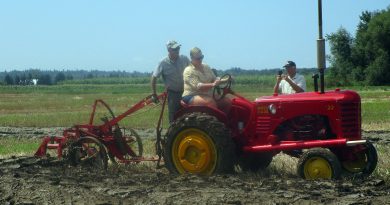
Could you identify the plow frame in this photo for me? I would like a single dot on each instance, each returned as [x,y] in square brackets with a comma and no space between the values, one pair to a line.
[109,134]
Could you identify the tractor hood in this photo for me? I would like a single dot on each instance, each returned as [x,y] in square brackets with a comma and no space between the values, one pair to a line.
[335,95]
[342,107]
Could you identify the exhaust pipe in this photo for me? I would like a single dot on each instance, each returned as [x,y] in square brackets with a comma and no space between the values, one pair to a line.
[315,78]
[321,63]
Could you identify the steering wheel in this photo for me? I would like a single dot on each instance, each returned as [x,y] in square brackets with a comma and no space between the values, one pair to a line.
[223,88]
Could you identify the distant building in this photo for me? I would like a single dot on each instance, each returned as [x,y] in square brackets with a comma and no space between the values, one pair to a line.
[34,81]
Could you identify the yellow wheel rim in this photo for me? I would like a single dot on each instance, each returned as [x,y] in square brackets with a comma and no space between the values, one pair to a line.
[357,165]
[193,151]
[317,168]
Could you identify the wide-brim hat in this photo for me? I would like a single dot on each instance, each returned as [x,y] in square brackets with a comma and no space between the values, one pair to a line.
[196,53]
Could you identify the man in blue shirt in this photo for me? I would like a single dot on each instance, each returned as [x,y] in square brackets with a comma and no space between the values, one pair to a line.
[171,69]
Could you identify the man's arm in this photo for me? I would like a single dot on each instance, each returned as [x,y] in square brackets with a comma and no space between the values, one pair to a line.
[191,79]
[208,86]
[154,93]
[153,85]
[276,87]
[157,72]
[294,85]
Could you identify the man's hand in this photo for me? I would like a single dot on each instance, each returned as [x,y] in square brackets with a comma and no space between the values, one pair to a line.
[293,85]
[217,82]
[155,98]
[279,78]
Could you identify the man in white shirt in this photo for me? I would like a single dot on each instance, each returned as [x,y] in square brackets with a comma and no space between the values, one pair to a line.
[291,83]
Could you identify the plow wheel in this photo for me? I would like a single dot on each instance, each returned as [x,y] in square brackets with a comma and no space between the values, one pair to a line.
[364,162]
[130,145]
[198,143]
[319,163]
[88,151]
[134,142]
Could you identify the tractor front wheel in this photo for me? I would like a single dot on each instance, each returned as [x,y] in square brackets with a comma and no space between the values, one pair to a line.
[198,143]
[319,163]
[364,162]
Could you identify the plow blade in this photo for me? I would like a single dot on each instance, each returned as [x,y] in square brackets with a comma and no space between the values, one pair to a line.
[50,143]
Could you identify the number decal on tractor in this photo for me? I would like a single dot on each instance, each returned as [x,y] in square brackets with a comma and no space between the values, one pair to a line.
[262,110]
[330,107]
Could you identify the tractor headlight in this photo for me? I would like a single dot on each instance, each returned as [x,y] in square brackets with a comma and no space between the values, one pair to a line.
[272,109]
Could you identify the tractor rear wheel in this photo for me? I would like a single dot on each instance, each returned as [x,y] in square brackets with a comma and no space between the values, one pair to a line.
[364,163]
[255,162]
[319,163]
[198,143]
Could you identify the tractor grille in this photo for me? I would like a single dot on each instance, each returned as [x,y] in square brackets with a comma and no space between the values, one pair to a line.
[263,124]
[350,119]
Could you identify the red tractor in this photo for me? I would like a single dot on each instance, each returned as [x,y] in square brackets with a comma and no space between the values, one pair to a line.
[322,128]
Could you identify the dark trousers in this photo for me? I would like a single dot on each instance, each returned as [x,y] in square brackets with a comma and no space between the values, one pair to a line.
[174,98]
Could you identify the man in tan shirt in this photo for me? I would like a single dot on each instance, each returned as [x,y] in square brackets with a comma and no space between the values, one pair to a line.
[199,81]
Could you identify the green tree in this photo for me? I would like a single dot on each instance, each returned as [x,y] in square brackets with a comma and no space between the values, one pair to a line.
[23,79]
[376,42]
[44,79]
[17,80]
[365,58]
[59,77]
[8,80]
[377,73]
[89,76]
[341,48]
[29,79]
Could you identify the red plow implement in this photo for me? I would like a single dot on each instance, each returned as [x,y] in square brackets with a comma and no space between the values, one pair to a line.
[95,144]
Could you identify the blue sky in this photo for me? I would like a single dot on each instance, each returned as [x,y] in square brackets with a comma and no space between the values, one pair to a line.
[131,35]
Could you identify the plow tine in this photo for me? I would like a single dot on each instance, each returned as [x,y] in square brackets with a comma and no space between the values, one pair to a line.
[50,142]
[42,148]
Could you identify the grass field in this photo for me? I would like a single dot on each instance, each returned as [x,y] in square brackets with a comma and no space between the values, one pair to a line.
[12,146]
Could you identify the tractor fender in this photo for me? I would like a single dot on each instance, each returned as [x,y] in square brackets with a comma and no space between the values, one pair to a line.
[221,116]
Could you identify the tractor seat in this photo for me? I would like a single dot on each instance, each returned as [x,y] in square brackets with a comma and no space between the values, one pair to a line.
[183,104]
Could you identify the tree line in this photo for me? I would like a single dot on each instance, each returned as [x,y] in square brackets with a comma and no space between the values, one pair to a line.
[52,77]
[363,59]
[30,79]
[102,77]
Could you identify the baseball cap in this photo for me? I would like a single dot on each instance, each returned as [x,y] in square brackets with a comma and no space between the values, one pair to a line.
[196,53]
[289,64]
[173,45]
